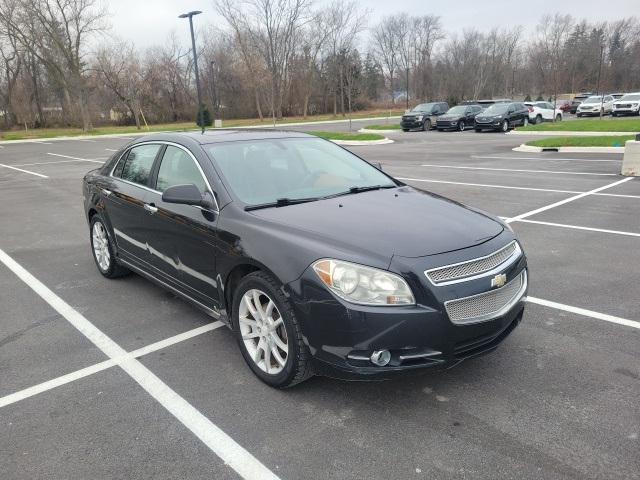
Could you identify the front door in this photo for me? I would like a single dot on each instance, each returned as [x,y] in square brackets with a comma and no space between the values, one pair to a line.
[182,238]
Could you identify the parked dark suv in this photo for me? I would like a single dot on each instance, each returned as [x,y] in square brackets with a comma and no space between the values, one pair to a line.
[424,116]
[577,100]
[502,116]
[458,118]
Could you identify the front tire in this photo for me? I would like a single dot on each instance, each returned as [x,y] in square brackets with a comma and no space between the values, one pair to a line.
[538,119]
[426,126]
[268,332]
[505,126]
[461,126]
[103,251]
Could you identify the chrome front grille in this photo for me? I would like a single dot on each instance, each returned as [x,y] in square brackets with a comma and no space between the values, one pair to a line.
[477,267]
[488,305]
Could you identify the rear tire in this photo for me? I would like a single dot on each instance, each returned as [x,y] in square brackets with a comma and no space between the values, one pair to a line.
[558,118]
[103,251]
[278,327]
[538,119]
[405,129]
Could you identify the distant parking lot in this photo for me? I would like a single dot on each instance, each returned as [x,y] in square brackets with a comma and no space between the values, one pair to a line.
[558,399]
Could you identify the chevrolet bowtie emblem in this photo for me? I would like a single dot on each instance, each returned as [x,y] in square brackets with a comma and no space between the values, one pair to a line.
[499,280]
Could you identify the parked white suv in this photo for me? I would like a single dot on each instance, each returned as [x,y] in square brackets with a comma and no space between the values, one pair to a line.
[543,111]
[629,104]
[592,105]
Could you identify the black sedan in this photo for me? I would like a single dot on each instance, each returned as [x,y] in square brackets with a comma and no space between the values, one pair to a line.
[318,261]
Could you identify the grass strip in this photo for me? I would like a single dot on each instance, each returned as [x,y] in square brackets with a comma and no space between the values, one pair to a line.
[594,125]
[608,141]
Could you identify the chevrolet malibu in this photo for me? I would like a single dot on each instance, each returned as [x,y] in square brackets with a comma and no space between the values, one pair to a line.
[319,262]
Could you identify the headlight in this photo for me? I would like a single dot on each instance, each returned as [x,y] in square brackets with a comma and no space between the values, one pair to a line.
[419,118]
[363,285]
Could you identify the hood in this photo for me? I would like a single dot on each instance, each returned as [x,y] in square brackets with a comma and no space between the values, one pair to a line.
[400,221]
[489,117]
[450,118]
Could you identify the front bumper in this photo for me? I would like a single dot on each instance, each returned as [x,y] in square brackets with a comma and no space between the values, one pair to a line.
[411,124]
[447,125]
[495,125]
[626,110]
[342,336]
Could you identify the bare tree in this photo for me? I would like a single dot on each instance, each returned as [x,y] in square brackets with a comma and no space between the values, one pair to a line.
[118,66]
[55,32]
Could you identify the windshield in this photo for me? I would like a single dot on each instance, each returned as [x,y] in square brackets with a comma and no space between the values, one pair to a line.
[265,171]
[456,110]
[497,109]
[594,99]
[631,97]
[423,107]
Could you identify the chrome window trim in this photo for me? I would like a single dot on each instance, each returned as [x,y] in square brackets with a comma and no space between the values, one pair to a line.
[517,253]
[499,313]
[173,144]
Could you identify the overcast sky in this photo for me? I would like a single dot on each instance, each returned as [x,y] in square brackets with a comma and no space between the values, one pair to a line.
[149,22]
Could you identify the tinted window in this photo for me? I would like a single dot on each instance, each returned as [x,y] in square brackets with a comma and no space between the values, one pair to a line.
[178,168]
[459,110]
[497,109]
[424,107]
[117,172]
[264,171]
[138,164]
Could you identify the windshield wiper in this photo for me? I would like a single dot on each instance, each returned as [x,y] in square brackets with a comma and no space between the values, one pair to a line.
[281,202]
[360,190]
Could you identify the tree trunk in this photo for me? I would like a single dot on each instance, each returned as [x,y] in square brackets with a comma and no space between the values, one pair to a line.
[341,91]
[305,107]
[258,107]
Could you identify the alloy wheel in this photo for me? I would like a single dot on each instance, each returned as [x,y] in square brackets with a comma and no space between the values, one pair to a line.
[461,126]
[100,243]
[505,126]
[263,331]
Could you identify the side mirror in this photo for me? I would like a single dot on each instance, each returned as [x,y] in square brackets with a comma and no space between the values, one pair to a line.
[188,195]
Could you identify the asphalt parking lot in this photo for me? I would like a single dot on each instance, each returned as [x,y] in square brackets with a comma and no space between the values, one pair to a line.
[558,399]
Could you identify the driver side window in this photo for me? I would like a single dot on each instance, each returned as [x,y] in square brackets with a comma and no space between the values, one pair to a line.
[178,168]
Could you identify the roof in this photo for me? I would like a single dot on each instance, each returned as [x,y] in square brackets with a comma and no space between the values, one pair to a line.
[224,135]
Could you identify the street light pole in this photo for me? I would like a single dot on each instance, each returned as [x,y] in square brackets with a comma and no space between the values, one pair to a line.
[598,85]
[190,16]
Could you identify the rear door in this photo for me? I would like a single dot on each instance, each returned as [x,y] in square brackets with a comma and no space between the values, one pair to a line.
[182,238]
[125,199]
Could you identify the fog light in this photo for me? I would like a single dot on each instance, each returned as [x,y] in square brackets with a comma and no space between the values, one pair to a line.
[381,357]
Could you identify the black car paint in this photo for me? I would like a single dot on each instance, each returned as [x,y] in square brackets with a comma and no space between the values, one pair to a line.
[409,120]
[199,254]
[517,114]
[450,121]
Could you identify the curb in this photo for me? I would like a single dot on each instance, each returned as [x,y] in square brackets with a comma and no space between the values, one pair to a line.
[530,149]
[570,134]
[384,141]
[368,130]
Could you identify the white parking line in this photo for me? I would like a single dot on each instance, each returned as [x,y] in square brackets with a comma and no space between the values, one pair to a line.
[585,312]
[24,171]
[576,227]
[508,187]
[111,149]
[547,158]
[245,464]
[520,170]
[45,163]
[566,200]
[99,367]
[84,140]
[98,160]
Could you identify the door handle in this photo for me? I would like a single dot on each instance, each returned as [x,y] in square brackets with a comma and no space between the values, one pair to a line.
[106,192]
[150,208]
